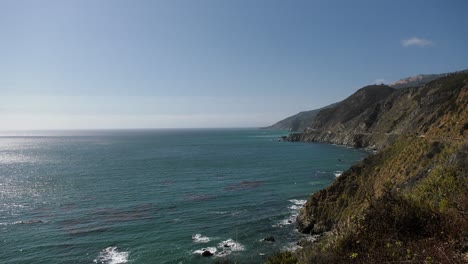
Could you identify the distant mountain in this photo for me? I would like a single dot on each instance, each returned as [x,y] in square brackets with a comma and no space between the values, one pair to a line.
[307,119]
[419,80]
[377,114]
[299,121]
[414,81]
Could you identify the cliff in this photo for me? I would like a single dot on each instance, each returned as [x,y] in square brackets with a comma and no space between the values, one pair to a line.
[407,203]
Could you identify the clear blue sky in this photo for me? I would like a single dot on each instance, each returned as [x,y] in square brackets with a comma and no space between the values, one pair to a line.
[199,63]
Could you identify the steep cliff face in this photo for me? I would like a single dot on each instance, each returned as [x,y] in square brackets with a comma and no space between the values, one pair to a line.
[376,116]
[408,202]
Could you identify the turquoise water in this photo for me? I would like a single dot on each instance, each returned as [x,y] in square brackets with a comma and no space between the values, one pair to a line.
[142,196]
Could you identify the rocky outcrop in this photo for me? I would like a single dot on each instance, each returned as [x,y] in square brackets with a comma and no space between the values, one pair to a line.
[292,137]
[207,253]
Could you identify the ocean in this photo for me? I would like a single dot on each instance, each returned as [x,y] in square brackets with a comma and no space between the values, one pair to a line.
[157,196]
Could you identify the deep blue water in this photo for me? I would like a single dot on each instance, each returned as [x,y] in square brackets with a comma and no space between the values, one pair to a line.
[141,196]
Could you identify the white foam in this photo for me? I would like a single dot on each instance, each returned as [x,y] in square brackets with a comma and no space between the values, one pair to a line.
[288,221]
[291,247]
[212,250]
[231,245]
[338,173]
[111,255]
[298,202]
[198,238]
[224,248]
[295,207]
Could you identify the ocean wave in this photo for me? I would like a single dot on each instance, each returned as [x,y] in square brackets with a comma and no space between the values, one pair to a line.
[298,202]
[111,255]
[295,207]
[212,250]
[231,245]
[223,249]
[337,173]
[288,221]
[291,247]
[24,222]
[198,238]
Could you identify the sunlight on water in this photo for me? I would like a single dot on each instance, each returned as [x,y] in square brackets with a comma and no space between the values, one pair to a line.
[162,196]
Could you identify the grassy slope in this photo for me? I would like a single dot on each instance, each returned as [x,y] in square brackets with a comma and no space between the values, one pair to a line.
[409,202]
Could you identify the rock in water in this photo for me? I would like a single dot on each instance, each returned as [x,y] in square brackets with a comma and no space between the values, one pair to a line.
[207,253]
[269,239]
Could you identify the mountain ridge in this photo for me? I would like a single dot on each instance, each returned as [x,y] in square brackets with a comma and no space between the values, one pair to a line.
[303,120]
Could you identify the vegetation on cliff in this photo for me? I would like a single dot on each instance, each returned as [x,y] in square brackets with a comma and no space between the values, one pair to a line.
[299,121]
[409,202]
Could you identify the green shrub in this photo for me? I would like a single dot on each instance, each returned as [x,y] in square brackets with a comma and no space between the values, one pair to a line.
[285,257]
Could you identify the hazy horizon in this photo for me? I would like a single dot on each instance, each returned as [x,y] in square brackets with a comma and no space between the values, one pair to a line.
[70,65]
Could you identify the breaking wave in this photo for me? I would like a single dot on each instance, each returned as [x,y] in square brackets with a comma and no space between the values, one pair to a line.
[111,255]
[198,238]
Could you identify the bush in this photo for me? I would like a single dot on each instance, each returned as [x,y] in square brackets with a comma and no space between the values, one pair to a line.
[285,257]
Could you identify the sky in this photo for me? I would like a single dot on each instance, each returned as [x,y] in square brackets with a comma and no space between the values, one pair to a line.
[90,64]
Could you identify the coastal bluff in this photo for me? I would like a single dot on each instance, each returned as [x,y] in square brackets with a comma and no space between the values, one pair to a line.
[407,202]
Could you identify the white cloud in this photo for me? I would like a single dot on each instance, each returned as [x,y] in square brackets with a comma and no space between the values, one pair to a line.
[417,42]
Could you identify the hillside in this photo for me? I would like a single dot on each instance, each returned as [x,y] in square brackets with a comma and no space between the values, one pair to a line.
[303,120]
[409,202]
[376,115]
[299,121]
